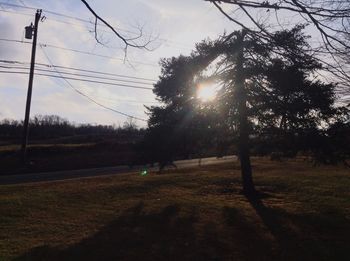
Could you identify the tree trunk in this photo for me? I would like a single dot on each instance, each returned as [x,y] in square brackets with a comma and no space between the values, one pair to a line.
[243,139]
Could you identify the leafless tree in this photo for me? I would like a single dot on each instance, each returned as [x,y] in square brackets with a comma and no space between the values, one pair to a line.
[330,18]
[130,124]
[128,42]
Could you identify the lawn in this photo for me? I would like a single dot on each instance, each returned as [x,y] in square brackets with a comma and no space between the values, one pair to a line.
[189,214]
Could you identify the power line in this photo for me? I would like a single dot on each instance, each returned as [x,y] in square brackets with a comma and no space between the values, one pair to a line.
[14,5]
[66,78]
[83,80]
[128,101]
[51,66]
[80,69]
[174,44]
[12,12]
[75,74]
[152,81]
[79,51]
[61,15]
[90,99]
[161,40]
[97,55]
[22,3]
[105,98]
[81,93]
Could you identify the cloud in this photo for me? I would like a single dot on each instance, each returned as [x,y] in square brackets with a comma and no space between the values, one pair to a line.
[181,24]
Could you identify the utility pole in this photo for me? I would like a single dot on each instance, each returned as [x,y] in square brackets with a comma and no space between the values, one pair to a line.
[30,31]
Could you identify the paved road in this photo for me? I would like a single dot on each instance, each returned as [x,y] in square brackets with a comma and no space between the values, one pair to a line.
[82,173]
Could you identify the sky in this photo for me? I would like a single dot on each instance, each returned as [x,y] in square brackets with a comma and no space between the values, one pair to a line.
[174,26]
[66,38]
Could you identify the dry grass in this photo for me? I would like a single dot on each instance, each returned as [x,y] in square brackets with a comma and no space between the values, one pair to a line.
[197,214]
[14,147]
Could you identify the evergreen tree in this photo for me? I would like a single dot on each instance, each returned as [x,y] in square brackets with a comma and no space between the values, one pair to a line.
[264,87]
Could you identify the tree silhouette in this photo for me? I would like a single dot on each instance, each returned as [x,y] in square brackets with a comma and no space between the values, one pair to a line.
[329,18]
[289,105]
[262,85]
[183,125]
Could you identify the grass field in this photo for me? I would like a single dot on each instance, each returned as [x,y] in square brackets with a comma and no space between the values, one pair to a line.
[192,214]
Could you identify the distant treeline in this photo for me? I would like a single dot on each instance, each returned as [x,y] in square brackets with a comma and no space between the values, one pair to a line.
[58,144]
[104,145]
[54,126]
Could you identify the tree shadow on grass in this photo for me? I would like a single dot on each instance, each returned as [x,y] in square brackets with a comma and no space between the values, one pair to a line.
[168,234]
[250,242]
[181,234]
[307,236]
[136,235]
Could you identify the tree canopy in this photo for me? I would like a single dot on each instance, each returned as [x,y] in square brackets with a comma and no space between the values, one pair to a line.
[330,19]
[280,94]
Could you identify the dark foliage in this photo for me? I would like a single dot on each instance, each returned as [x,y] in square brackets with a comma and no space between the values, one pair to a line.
[57,144]
[284,101]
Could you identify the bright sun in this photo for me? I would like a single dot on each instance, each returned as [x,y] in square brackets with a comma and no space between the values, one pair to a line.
[206,92]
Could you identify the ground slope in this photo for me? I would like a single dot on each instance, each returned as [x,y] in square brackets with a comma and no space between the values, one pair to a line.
[198,214]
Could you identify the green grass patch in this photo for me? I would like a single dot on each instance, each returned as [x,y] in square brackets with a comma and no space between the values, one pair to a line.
[197,214]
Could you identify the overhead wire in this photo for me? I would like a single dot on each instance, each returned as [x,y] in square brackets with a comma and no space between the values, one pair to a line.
[105,98]
[80,70]
[97,55]
[22,3]
[80,92]
[12,12]
[160,39]
[7,64]
[80,79]
[91,99]
[60,73]
[76,74]
[79,51]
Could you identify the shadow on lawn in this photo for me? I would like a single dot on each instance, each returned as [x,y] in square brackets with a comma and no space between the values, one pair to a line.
[171,234]
[317,236]
[136,235]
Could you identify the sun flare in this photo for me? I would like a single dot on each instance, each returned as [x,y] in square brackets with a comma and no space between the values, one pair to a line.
[206,92]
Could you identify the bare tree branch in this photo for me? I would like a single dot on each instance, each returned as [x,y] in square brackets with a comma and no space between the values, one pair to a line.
[331,18]
[128,42]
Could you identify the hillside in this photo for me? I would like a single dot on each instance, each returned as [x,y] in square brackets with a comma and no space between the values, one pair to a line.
[199,213]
